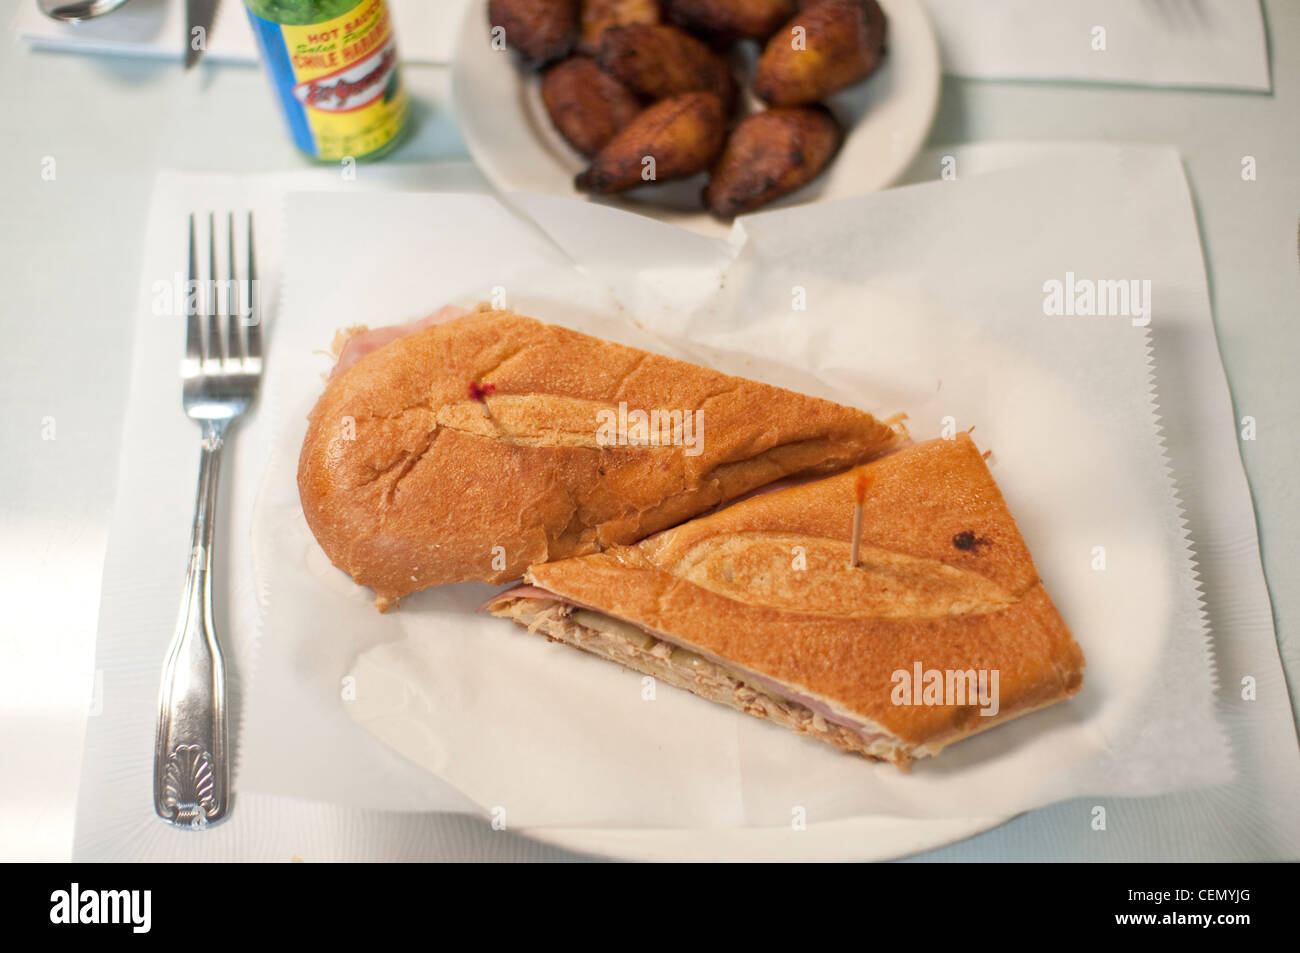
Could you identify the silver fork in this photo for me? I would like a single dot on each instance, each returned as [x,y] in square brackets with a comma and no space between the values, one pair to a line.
[221,372]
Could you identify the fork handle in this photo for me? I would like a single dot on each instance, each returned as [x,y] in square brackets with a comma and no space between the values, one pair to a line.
[191,768]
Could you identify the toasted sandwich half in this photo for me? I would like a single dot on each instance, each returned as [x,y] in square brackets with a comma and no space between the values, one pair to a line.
[471,449]
[941,630]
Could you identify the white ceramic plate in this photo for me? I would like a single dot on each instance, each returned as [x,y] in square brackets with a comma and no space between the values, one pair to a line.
[854,839]
[408,727]
[887,118]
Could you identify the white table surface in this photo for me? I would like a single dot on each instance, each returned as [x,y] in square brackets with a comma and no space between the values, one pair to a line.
[69,264]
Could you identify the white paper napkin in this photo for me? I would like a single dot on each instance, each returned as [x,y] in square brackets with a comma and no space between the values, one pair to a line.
[1199,43]
[426,31]
[929,300]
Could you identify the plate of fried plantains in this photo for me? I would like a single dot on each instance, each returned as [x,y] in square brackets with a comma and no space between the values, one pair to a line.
[696,111]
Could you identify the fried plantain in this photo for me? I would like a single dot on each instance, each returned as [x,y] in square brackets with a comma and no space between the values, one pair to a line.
[672,139]
[541,30]
[600,15]
[841,42]
[770,154]
[756,19]
[662,61]
[586,104]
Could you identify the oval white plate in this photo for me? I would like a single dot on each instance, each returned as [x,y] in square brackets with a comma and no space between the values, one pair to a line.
[511,138]
[852,839]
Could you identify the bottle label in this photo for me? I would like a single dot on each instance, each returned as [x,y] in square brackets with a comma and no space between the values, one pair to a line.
[337,80]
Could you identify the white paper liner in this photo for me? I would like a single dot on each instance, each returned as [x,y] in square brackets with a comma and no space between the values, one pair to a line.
[926,299]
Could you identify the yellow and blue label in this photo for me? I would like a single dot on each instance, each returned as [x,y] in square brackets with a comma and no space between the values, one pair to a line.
[337,81]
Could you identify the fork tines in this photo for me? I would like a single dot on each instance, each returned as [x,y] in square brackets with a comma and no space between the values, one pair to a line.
[223,325]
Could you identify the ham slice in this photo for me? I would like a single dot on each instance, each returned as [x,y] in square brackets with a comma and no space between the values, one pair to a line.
[362,341]
[706,676]
[524,591]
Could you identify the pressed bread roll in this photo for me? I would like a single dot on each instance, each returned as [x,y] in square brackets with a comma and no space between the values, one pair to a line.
[764,589]
[473,449]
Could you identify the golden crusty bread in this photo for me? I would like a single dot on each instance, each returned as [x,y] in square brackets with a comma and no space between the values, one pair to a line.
[407,483]
[944,580]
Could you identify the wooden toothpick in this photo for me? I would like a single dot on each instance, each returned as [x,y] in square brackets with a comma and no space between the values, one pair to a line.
[859,496]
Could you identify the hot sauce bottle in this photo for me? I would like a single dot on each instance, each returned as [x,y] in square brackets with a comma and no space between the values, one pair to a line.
[333,67]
